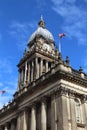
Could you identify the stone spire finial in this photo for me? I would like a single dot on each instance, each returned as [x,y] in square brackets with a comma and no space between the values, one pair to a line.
[60,58]
[41,22]
[67,61]
[80,69]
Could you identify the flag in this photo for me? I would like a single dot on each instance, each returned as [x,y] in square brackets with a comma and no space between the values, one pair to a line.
[61,35]
[2,92]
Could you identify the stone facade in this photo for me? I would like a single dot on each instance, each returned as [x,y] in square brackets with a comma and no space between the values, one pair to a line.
[51,95]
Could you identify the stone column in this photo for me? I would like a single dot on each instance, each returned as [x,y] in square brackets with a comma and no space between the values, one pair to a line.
[72,112]
[53,113]
[6,126]
[32,70]
[25,124]
[46,66]
[29,73]
[36,68]
[41,66]
[25,75]
[33,118]
[13,124]
[43,116]
[18,122]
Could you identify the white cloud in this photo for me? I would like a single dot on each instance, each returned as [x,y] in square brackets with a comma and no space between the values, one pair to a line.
[74,19]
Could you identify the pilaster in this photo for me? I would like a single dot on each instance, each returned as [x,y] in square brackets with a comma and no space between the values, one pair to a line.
[84,111]
[85,108]
[72,111]
[62,111]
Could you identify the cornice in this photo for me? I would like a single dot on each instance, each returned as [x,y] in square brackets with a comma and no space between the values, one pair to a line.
[74,79]
[48,78]
[29,54]
[57,91]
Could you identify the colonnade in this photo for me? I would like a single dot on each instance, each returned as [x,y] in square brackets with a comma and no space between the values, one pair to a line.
[32,70]
[55,113]
[26,115]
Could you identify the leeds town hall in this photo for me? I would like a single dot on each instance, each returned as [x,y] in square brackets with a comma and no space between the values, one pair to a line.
[51,95]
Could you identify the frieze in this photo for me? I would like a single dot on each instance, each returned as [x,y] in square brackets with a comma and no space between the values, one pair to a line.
[59,91]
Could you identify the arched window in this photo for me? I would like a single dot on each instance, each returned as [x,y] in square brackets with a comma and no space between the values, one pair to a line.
[78,110]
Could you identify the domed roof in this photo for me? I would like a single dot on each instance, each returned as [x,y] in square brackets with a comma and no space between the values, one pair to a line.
[41,30]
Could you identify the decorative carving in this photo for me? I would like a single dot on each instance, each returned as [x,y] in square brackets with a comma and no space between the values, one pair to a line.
[71,93]
[83,98]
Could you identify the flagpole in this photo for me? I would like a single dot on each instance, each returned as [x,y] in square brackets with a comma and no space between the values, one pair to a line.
[60,36]
[59,45]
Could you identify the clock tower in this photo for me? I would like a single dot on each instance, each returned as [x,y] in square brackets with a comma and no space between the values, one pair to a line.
[39,57]
[51,94]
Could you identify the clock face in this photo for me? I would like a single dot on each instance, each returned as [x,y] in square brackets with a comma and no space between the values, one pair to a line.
[46,46]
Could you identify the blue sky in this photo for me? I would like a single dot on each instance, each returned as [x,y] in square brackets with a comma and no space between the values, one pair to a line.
[18,20]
